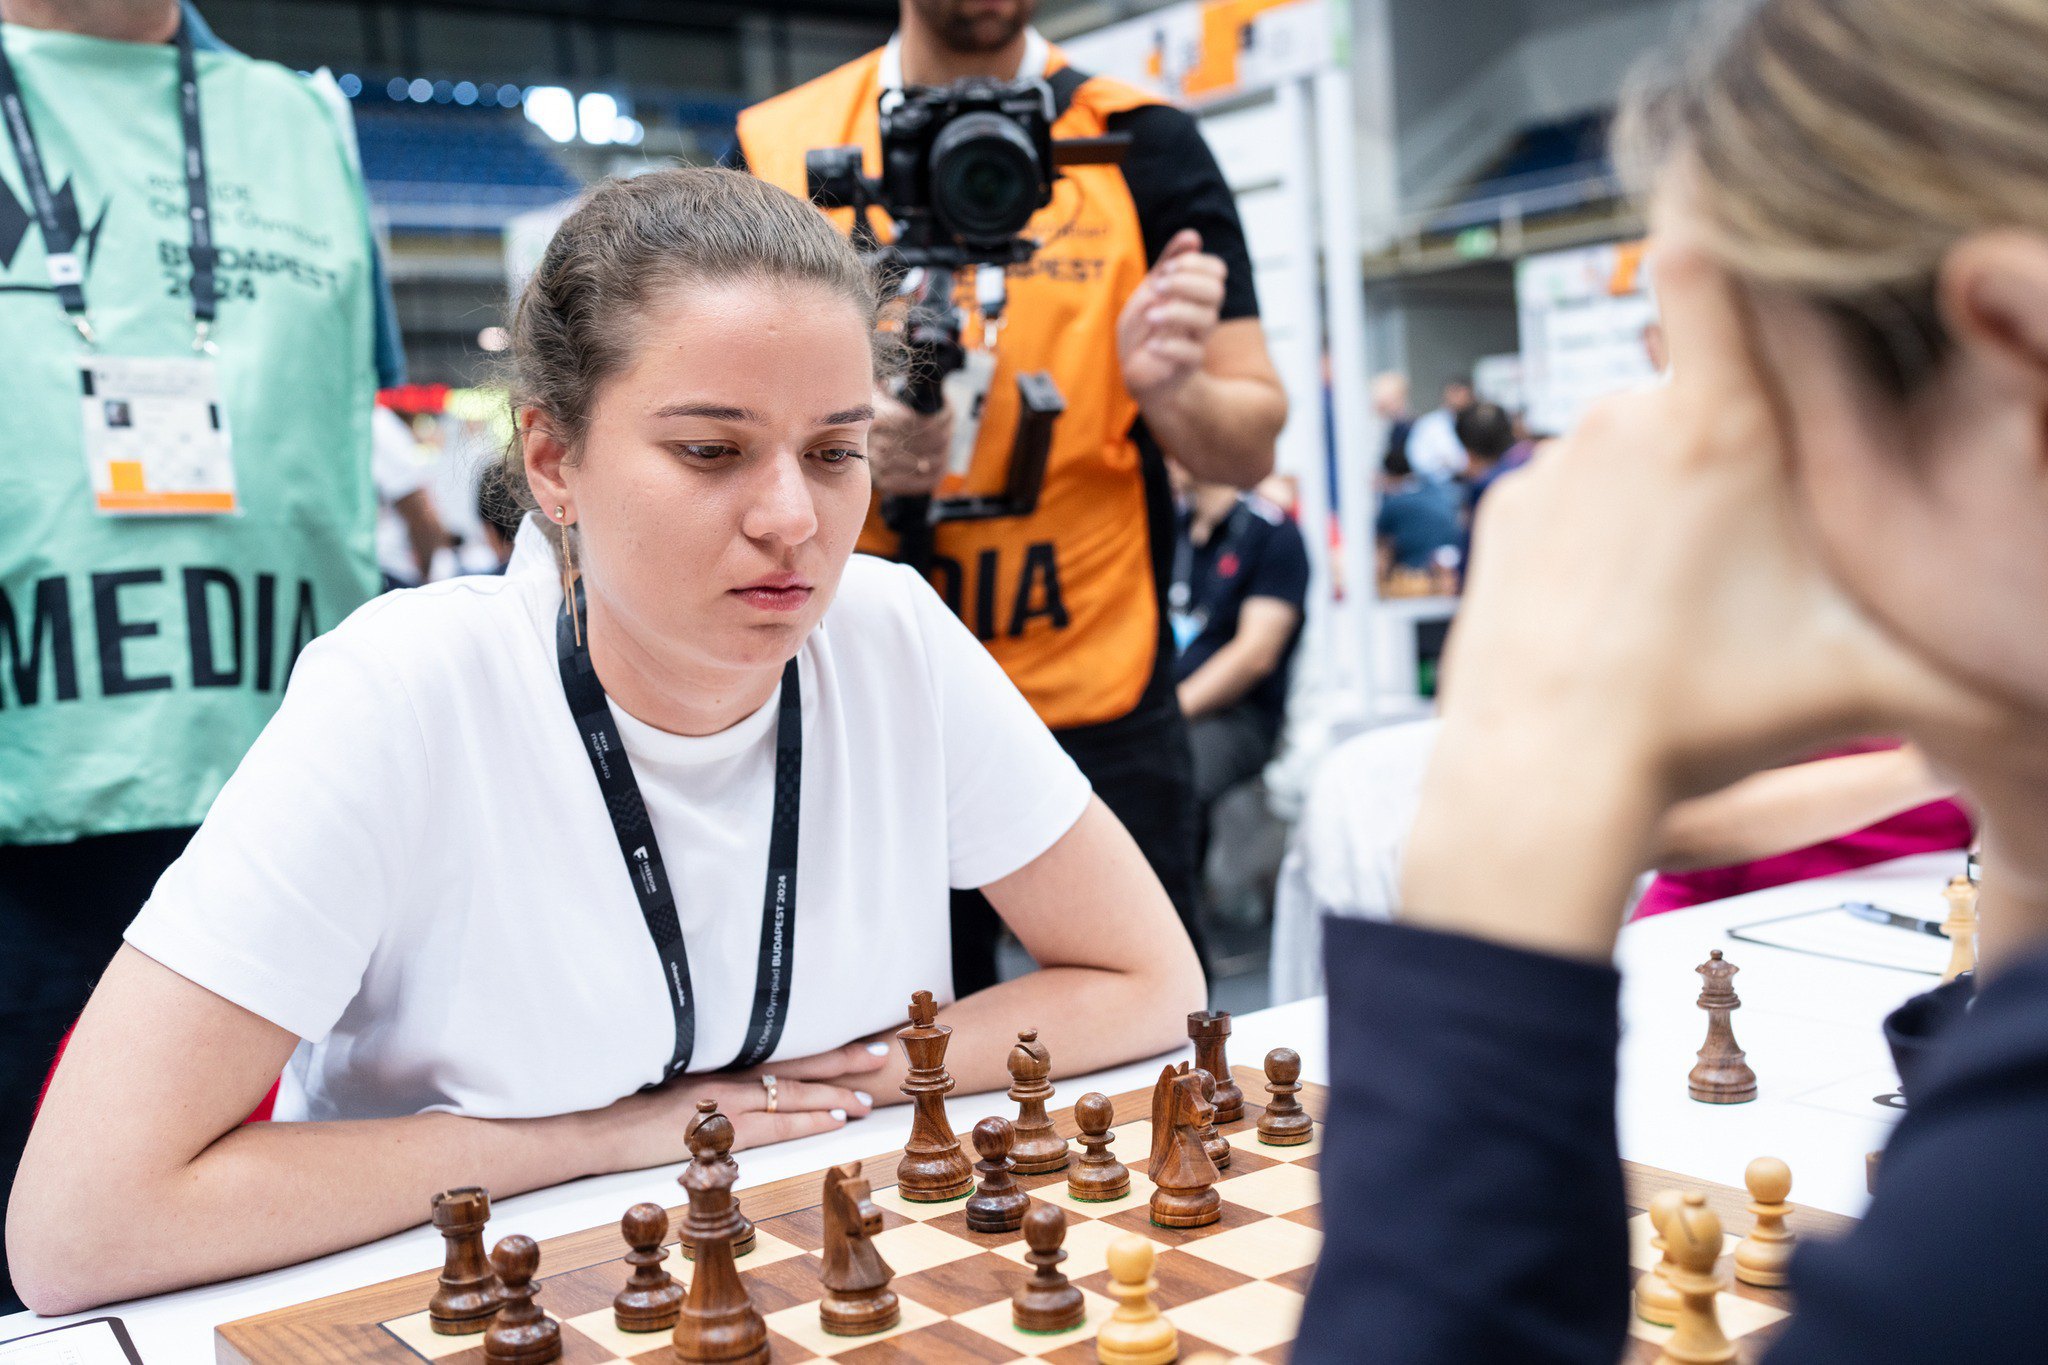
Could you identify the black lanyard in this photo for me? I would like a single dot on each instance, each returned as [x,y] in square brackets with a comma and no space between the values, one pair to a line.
[58,218]
[649,875]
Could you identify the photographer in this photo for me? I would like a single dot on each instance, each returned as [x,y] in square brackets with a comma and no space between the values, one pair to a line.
[1139,304]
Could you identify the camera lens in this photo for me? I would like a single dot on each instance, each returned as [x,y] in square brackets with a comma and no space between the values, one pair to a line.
[985,179]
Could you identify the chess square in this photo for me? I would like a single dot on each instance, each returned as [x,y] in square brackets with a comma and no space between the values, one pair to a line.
[1133,1144]
[1643,1256]
[1083,1352]
[801,1326]
[601,1328]
[963,1285]
[1141,1193]
[1739,1317]
[1181,1279]
[1244,1161]
[1248,1141]
[417,1333]
[1249,1318]
[1275,1190]
[942,1341]
[1139,1220]
[993,1321]
[889,1201]
[784,1284]
[1263,1248]
[1087,1245]
[917,1247]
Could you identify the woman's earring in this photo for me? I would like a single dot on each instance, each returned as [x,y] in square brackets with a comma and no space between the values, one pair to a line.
[569,577]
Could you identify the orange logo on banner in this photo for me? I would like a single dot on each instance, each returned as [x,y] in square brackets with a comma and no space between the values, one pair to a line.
[1628,269]
[1223,26]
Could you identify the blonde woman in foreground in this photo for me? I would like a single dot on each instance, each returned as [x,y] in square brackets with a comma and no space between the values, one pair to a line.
[1833,522]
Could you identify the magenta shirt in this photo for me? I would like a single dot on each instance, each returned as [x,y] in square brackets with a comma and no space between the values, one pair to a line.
[1932,828]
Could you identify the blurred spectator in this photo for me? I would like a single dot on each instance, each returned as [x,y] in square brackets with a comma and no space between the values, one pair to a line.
[1487,433]
[1434,451]
[1390,405]
[409,529]
[499,512]
[1240,582]
[1419,521]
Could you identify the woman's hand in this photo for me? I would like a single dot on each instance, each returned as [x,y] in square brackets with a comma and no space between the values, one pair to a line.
[1647,618]
[812,1095]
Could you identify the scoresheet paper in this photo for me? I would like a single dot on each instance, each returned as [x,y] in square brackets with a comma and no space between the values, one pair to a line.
[1836,932]
[101,1341]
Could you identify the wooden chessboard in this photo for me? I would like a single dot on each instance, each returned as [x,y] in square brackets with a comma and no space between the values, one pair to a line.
[1235,1287]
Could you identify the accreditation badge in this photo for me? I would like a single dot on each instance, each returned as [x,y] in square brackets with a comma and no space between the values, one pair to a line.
[156,436]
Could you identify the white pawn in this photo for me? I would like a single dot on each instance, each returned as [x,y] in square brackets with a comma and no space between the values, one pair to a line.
[1656,1301]
[1761,1257]
[1137,1333]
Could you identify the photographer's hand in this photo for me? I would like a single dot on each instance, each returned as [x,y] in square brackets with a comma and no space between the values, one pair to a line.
[1207,389]
[1162,335]
[907,448]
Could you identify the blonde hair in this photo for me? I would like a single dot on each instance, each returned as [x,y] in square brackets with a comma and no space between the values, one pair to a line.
[631,240]
[1839,148]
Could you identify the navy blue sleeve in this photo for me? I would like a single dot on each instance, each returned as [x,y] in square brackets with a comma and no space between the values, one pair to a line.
[1472,1190]
[1282,567]
[1946,1263]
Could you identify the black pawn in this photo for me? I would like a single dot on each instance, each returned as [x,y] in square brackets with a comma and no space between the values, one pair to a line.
[998,1204]
[521,1334]
[1096,1175]
[651,1299]
[1048,1301]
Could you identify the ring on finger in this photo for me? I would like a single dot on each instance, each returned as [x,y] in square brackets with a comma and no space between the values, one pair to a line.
[768,1084]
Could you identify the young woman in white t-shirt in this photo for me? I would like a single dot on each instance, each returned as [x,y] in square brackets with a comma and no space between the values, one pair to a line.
[412,898]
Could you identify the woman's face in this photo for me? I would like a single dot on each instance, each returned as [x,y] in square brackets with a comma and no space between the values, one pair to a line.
[723,478]
[1931,512]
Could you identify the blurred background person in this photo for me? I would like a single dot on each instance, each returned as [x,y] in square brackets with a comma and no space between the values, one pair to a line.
[1434,451]
[1240,582]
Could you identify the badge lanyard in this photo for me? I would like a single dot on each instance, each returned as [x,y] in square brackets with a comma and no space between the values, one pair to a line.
[58,219]
[649,874]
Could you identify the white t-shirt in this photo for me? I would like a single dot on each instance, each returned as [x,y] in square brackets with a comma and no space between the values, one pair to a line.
[413,870]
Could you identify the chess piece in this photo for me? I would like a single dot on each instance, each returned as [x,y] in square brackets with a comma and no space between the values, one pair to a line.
[467,1293]
[652,1298]
[1210,1031]
[1694,1236]
[1137,1333]
[1656,1300]
[1185,1178]
[858,1300]
[521,1333]
[718,1137]
[933,1169]
[1048,1301]
[717,1322]
[999,1204]
[1213,1142]
[1285,1123]
[1961,927]
[1038,1148]
[1098,1176]
[1721,1076]
[1761,1257]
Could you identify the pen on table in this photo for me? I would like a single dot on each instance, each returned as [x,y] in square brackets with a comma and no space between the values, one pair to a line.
[1877,914]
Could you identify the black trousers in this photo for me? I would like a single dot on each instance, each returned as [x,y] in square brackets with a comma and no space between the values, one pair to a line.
[63,908]
[1143,770]
[1230,746]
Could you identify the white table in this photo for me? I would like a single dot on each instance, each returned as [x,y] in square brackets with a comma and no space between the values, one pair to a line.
[1809,1024]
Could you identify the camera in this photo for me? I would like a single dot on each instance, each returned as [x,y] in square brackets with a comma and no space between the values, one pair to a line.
[963,169]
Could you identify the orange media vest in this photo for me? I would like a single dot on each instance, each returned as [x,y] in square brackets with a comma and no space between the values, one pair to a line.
[1069,599]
